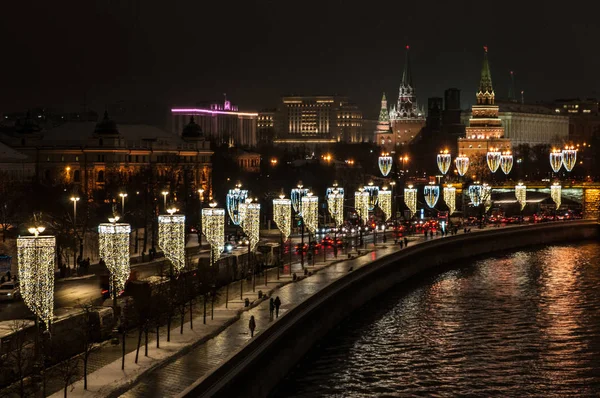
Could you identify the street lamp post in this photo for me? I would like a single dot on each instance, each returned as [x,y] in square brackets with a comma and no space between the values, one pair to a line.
[123,196]
[201,195]
[75,199]
[393,185]
[164,194]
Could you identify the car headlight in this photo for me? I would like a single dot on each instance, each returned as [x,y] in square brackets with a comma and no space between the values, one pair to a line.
[9,294]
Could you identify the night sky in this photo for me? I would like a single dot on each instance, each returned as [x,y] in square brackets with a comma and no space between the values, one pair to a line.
[55,53]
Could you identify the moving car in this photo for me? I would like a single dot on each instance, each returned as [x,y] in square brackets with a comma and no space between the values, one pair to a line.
[10,291]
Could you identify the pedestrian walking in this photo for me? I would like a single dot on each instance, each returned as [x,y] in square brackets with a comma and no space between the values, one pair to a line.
[271,307]
[405,241]
[277,303]
[252,325]
[401,242]
[431,233]
[425,233]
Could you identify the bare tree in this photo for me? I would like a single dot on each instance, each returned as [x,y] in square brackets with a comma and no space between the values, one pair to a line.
[19,355]
[88,325]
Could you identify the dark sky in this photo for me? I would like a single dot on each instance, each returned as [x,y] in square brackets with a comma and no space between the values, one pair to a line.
[178,52]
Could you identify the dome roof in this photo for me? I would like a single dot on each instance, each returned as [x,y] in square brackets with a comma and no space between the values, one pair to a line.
[106,126]
[192,130]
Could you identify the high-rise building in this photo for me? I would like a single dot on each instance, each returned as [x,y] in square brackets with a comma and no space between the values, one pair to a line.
[406,118]
[485,129]
[267,125]
[220,123]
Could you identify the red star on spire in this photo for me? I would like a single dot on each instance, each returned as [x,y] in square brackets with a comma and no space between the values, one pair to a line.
[407,47]
[485,48]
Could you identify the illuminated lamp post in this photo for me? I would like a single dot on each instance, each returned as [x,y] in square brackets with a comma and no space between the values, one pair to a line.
[462,164]
[335,205]
[250,223]
[213,222]
[235,197]
[35,255]
[393,185]
[164,194]
[521,195]
[171,239]
[450,198]
[432,194]
[310,215]
[114,249]
[385,204]
[76,199]
[385,164]
[506,162]
[361,205]
[201,198]
[123,196]
[296,197]
[569,157]
[282,215]
[444,159]
[556,160]
[410,199]
[493,159]
[556,195]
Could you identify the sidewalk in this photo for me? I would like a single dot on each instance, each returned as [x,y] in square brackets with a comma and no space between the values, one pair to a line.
[105,376]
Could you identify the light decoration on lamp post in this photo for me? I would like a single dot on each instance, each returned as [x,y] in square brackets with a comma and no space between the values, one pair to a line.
[569,157]
[556,160]
[114,249]
[385,164]
[506,162]
[310,212]
[335,204]
[521,194]
[171,238]
[476,194]
[282,215]
[213,226]
[373,192]
[462,164]
[493,159]
[432,194]
[296,196]
[410,199]
[251,222]
[35,255]
[361,204]
[444,159]
[556,194]
[385,203]
[450,198]
[486,196]
[234,198]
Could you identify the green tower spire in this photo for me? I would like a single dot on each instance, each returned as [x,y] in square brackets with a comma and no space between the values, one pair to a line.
[485,95]
[383,114]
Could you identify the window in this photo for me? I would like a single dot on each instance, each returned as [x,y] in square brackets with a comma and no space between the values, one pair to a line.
[101,176]
[62,158]
[77,158]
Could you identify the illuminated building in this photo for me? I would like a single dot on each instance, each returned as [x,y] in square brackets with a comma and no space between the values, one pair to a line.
[406,118]
[584,117]
[485,129]
[267,125]
[221,123]
[383,133]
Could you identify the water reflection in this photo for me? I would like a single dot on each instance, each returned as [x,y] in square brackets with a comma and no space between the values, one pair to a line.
[522,324]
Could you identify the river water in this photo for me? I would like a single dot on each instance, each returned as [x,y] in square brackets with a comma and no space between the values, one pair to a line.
[525,323]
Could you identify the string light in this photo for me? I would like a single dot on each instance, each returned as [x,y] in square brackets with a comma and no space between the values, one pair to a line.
[114,250]
[373,192]
[493,159]
[335,204]
[569,157]
[450,198]
[556,160]
[476,194]
[251,223]
[235,197]
[444,159]
[462,164]
[410,198]
[556,194]
[385,164]
[521,194]
[361,204]
[282,215]
[171,238]
[506,162]
[213,226]
[432,194]
[310,212]
[297,195]
[35,255]
[385,203]
[486,196]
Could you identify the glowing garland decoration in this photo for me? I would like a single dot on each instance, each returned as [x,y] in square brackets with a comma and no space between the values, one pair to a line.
[506,162]
[450,198]
[486,196]
[569,158]
[171,239]
[521,194]
[335,204]
[297,195]
[310,212]
[235,197]
[213,227]
[373,192]
[432,194]
[385,203]
[556,194]
[410,198]
[493,159]
[114,250]
[462,164]
[476,194]
[361,204]
[444,159]
[385,164]
[35,255]
[556,160]
[282,215]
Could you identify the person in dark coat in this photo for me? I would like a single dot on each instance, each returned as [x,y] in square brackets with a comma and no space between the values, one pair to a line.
[277,303]
[252,325]
[271,307]
[405,241]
